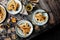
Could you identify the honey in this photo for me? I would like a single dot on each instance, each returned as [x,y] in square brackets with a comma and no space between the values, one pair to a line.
[29,7]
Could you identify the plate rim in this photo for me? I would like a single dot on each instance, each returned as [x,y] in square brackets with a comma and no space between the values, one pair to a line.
[39,10]
[4,14]
[20,8]
[30,30]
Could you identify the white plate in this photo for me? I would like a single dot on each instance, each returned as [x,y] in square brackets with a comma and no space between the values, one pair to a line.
[4,14]
[19,9]
[19,32]
[42,12]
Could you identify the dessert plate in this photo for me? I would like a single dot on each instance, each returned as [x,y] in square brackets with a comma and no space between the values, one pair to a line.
[17,11]
[19,32]
[44,13]
[4,14]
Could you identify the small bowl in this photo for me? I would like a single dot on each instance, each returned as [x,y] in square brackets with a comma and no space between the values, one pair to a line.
[4,14]
[19,9]
[30,6]
[19,32]
[44,13]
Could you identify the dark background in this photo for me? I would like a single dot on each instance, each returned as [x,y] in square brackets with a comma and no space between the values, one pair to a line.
[52,34]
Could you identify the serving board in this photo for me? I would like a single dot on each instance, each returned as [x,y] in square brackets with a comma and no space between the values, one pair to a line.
[53,10]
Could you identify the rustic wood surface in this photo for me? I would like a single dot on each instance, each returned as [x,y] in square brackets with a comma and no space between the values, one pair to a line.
[55,8]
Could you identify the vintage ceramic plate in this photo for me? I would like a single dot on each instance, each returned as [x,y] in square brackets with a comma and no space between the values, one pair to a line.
[44,13]
[19,32]
[19,9]
[4,14]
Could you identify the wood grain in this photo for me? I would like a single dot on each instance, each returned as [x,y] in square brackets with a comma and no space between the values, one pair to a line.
[55,8]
